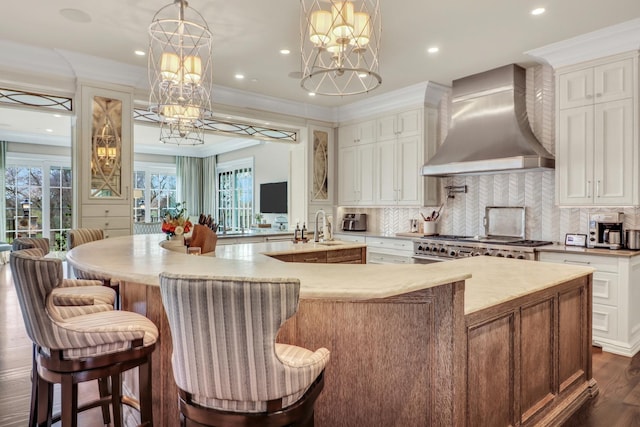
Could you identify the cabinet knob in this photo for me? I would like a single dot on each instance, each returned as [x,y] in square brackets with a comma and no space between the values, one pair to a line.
[589,96]
[598,95]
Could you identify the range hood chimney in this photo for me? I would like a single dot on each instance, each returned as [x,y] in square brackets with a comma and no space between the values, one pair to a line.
[490,131]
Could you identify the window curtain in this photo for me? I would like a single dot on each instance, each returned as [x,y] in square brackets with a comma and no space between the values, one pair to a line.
[189,180]
[209,186]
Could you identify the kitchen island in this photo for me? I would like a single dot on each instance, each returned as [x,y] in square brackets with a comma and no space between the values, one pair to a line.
[479,341]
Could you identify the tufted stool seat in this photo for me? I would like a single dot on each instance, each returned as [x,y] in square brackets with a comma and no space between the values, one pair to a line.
[69,350]
[226,363]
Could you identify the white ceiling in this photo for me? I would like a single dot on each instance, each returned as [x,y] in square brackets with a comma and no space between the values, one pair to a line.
[472,36]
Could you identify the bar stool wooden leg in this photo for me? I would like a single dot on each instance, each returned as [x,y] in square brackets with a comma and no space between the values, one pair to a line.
[33,407]
[69,401]
[103,388]
[146,401]
[116,399]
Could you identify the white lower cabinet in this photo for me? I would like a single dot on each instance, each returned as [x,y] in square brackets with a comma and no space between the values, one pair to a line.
[389,250]
[616,298]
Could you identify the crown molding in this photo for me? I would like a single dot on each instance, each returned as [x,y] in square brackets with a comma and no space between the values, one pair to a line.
[417,95]
[608,41]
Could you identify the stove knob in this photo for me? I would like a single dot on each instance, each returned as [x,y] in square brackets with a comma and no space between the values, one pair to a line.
[501,255]
[443,250]
[452,253]
[487,253]
[419,248]
[520,256]
[509,255]
[434,249]
[477,254]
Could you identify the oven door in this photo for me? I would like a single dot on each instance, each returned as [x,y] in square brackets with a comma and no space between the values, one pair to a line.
[426,259]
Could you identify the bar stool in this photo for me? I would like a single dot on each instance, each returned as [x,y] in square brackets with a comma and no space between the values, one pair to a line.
[81,236]
[226,363]
[72,296]
[98,345]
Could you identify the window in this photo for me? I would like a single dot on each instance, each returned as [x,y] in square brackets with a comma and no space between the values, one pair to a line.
[235,194]
[154,192]
[28,213]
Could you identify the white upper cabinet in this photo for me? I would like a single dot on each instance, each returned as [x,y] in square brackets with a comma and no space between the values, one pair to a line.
[596,141]
[358,133]
[385,171]
[602,83]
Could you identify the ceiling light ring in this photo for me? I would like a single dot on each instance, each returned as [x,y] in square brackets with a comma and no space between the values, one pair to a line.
[180,73]
[340,46]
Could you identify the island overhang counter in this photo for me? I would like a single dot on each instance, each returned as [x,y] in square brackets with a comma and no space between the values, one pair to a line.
[507,342]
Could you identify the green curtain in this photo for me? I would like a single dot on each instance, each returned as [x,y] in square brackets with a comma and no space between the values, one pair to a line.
[3,200]
[189,180]
[209,186]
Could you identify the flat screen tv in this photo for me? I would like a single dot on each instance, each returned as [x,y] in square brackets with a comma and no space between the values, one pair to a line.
[273,197]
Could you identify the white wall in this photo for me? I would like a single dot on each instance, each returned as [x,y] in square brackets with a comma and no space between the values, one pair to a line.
[271,164]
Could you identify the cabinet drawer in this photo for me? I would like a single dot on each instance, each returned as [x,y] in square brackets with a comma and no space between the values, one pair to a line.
[107,223]
[605,321]
[389,243]
[605,288]
[106,210]
[117,232]
[600,263]
[350,237]
[382,258]
[345,256]
[310,257]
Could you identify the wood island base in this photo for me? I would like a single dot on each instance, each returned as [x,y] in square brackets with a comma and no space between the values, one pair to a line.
[416,359]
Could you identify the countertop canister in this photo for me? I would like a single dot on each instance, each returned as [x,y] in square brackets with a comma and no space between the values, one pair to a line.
[632,239]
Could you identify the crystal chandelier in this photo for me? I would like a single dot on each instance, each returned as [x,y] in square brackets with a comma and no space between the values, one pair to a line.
[340,41]
[180,73]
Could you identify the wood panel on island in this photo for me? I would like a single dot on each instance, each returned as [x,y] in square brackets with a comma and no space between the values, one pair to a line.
[331,256]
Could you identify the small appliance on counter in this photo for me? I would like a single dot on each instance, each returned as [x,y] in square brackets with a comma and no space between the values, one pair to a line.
[354,222]
[606,230]
[632,239]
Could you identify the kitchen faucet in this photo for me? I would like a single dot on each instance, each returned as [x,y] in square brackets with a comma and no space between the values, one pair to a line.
[317,232]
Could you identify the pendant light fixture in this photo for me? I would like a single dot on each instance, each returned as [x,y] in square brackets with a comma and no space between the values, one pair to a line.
[340,41]
[180,73]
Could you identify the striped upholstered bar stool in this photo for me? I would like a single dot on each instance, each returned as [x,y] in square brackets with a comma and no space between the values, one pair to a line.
[99,345]
[226,363]
[71,295]
[81,236]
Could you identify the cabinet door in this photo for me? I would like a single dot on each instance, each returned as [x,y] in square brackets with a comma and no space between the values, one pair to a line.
[386,193]
[366,174]
[575,89]
[366,132]
[387,127]
[613,81]
[613,172]
[409,123]
[347,184]
[408,161]
[347,136]
[574,156]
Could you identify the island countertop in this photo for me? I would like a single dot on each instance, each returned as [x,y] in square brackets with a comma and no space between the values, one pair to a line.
[489,280]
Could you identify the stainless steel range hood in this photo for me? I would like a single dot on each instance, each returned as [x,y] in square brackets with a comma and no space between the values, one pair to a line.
[490,130]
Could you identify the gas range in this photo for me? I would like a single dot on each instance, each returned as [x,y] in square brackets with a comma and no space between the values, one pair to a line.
[445,247]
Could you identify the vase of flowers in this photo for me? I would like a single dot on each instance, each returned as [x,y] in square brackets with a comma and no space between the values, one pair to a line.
[175,225]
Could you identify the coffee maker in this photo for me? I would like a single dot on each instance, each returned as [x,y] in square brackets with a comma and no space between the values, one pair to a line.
[605,230]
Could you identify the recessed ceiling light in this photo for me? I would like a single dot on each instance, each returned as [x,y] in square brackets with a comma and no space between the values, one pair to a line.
[140,52]
[49,130]
[285,51]
[239,76]
[538,11]
[312,94]
[254,80]
[75,15]
[433,49]
[57,115]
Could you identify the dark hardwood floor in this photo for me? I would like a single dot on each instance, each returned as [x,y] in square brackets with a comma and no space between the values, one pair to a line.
[617,405]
